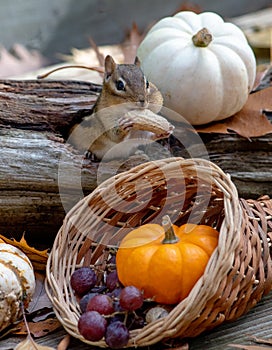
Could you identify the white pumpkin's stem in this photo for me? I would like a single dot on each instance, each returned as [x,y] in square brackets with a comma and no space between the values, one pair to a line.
[170,236]
[202,38]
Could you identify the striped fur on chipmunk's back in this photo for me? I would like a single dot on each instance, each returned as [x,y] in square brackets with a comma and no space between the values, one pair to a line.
[127,102]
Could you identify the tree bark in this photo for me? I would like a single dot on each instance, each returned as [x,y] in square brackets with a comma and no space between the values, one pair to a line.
[45,105]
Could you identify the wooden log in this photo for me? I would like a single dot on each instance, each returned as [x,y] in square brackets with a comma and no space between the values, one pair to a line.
[45,105]
[29,196]
[249,162]
[41,176]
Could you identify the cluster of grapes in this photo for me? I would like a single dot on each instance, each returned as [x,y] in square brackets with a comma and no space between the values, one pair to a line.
[108,309]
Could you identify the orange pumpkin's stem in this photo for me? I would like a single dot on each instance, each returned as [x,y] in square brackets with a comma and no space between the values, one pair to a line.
[170,236]
[202,38]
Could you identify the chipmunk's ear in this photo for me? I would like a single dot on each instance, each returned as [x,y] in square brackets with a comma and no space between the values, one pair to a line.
[137,61]
[110,66]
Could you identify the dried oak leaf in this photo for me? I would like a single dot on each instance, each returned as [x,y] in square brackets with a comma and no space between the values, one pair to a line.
[263,77]
[38,258]
[41,328]
[250,121]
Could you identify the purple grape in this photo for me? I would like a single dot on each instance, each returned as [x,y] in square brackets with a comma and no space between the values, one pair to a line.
[92,326]
[101,303]
[131,298]
[117,306]
[84,301]
[115,293]
[82,280]
[112,281]
[117,335]
[116,317]
[99,289]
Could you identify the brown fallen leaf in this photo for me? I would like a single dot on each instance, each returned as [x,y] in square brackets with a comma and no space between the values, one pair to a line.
[263,78]
[10,330]
[250,121]
[38,258]
[41,328]
[40,318]
[30,344]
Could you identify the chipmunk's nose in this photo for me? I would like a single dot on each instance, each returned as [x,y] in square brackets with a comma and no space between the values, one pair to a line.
[142,102]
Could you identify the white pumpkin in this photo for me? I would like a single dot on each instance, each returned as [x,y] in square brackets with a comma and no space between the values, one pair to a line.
[203,66]
[17,283]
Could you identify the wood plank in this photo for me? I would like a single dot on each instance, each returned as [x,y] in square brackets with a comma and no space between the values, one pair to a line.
[257,322]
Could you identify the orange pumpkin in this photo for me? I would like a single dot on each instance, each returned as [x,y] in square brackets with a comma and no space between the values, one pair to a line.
[165,261]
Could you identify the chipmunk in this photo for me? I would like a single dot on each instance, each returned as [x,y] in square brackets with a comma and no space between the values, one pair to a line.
[124,88]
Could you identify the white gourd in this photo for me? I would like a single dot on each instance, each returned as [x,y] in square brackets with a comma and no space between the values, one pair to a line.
[17,283]
[203,80]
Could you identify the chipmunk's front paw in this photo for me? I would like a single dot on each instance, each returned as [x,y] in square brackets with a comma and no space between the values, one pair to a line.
[126,124]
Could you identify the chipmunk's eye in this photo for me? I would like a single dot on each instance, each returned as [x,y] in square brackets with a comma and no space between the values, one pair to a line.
[120,85]
[147,84]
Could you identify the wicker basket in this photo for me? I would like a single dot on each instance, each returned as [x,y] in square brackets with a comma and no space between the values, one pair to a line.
[238,273]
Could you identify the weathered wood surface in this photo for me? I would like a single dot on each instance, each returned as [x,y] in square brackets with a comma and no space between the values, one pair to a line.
[256,323]
[40,178]
[29,194]
[39,174]
[31,114]
[249,162]
[45,105]
[35,166]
